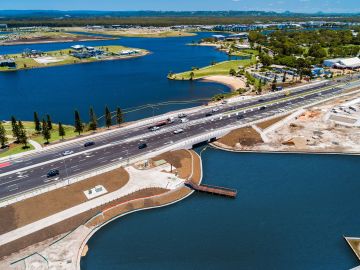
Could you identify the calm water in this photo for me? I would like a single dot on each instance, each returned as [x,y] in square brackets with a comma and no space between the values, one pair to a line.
[291,213]
[126,83]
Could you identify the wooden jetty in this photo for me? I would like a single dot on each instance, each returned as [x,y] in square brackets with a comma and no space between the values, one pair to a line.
[212,189]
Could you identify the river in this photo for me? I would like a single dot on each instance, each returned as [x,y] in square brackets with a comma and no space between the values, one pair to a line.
[291,213]
[125,83]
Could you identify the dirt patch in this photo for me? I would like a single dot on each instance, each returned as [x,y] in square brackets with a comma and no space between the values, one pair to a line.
[67,225]
[181,159]
[46,204]
[269,123]
[246,136]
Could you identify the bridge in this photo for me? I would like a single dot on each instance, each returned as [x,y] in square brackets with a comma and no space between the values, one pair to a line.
[24,175]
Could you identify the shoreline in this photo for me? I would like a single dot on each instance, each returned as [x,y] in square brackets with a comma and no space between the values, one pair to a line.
[56,41]
[84,245]
[233,83]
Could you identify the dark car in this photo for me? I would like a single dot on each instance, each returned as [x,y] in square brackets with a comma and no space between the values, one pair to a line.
[208,114]
[87,144]
[262,108]
[261,100]
[142,146]
[53,172]
[240,116]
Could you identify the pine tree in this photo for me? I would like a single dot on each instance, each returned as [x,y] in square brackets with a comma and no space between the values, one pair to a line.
[46,131]
[93,119]
[22,136]
[61,131]
[49,123]
[15,129]
[108,120]
[119,116]
[3,138]
[78,124]
[37,122]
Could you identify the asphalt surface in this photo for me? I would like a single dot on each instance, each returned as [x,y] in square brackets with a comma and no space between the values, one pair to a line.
[27,173]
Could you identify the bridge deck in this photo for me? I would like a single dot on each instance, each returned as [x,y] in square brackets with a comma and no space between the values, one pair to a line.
[212,189]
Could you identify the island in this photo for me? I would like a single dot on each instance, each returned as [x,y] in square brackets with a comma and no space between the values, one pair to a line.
[76,54]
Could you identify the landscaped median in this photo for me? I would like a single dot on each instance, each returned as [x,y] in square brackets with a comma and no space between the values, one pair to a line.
[39,59]
[65,219]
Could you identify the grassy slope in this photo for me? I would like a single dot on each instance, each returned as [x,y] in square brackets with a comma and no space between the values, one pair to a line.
[221,68]
[29,126]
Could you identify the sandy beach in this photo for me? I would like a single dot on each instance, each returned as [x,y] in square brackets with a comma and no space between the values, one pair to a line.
[233,82]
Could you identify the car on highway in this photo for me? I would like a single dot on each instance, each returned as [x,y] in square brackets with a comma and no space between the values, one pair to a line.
[67,152]
[87,144]
[215,109]
[142,146]
[182,115]
[240,116]
[184,120]
[178,131]
[262,107]
[155,128]
[208,114]
[53,172]
[261,100]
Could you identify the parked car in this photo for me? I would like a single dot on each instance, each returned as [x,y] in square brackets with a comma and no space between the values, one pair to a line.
[184,120]
[142,146]
[182,115]
[87,144]
[53,172]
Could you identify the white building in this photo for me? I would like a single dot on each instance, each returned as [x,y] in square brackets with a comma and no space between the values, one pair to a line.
[350,63]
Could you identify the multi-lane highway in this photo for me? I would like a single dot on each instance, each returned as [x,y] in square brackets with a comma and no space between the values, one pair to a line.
[29,172]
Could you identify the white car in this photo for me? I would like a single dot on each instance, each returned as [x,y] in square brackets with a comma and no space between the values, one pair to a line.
[154,128]
[178,131]
[67,152]
[215,109]
[184,120]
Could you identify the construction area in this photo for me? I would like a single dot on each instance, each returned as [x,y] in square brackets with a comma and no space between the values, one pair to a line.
[329,127]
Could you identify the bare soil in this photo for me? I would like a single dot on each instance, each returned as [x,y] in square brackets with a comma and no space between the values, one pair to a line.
[246,136]
[46,204]
[269,123]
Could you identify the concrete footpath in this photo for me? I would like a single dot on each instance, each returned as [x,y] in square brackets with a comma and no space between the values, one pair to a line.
[139,179]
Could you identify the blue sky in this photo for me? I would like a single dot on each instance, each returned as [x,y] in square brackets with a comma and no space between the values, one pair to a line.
[119,5]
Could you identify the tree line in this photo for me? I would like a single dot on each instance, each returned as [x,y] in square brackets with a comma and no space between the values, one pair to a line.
[45,126]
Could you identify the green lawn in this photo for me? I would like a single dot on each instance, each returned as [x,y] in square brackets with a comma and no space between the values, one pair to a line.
[221,68]
[15,149]
[30,129]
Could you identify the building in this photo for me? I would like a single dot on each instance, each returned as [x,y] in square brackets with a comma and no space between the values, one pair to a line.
[317,71]
[345,63]
[3,26]
[242,47]
[218,37]
[78,47]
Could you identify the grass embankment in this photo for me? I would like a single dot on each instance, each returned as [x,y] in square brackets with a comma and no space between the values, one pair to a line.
[222,68]
[63,57]
[30,130]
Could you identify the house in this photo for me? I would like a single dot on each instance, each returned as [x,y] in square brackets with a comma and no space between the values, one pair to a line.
[317,71]
[3,26]
[238,36]
[242,46]
[218,37]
